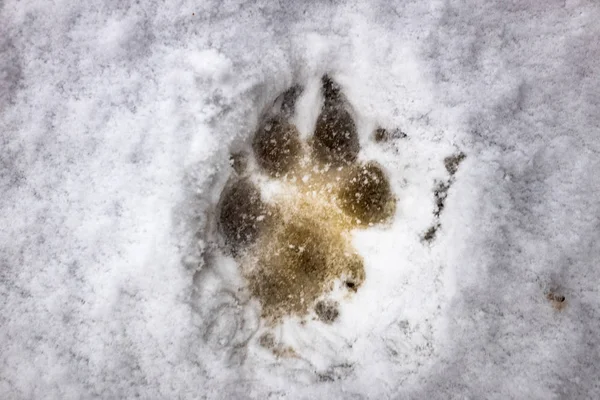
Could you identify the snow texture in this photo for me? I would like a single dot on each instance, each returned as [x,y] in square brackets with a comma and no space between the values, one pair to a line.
[116,122]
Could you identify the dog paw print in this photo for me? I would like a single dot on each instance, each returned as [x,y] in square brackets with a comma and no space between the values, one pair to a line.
[288,210]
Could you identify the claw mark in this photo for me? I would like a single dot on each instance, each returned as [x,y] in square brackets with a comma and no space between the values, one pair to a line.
[288,101]
[335,138]
[440,194]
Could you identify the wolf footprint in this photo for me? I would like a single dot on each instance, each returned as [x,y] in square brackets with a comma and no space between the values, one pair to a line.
[294,245]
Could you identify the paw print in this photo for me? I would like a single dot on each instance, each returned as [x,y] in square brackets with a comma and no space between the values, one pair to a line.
[288,210]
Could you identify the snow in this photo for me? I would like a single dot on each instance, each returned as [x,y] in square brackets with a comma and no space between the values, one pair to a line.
[116,121]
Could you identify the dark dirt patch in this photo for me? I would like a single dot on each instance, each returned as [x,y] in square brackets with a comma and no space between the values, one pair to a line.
[350,285]
[453,162]
[557,300]
[431,233]
[382,135]
[440,194]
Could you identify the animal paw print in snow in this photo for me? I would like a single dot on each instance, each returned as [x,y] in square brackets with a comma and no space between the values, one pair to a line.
[287,213]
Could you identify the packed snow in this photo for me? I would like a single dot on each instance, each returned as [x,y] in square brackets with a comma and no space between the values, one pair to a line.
[117,122]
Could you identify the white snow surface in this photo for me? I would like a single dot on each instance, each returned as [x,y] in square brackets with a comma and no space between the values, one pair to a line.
[116,121]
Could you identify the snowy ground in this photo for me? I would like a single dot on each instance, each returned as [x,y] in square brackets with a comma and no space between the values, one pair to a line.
[116,122]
